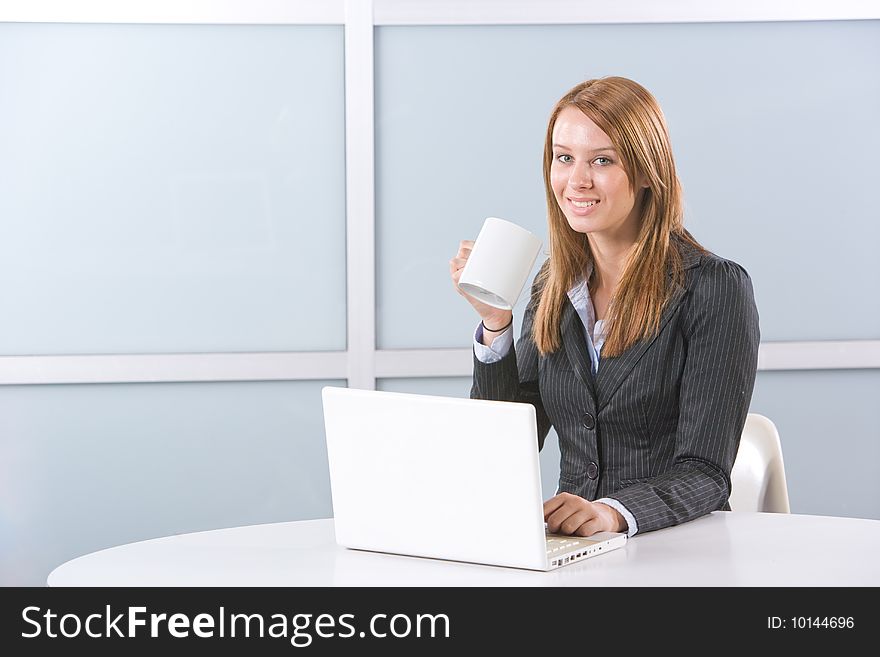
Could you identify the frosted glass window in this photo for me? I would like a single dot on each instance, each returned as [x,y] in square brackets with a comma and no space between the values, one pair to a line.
[773,126]
[85,467]
[171,188]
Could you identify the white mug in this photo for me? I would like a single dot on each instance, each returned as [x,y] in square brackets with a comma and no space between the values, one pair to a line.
[500,263]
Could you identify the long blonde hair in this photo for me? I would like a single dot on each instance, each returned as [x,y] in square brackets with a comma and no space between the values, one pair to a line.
[633,120]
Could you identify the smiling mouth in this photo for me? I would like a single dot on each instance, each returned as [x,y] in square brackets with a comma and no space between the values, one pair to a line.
[583,204]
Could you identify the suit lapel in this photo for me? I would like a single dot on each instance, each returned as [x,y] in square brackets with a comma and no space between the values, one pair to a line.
[614,371]
[576,347]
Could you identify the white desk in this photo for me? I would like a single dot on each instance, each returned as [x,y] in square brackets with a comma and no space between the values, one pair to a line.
[722,549]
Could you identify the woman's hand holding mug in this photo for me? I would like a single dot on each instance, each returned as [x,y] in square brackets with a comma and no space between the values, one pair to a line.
[490,272]
[492,317]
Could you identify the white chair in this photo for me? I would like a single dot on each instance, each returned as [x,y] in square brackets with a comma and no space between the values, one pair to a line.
[758,477]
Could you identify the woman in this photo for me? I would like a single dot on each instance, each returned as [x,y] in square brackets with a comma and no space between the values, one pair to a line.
[638,345]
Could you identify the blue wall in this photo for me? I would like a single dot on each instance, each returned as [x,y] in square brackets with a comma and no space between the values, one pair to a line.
[181,189]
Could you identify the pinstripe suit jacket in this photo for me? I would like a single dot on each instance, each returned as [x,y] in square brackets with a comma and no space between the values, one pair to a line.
[658,427]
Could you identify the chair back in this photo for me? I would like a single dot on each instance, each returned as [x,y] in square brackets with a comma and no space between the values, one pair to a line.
[758,476]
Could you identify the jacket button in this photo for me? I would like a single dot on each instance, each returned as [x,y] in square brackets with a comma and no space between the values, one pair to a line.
[592,470]
[588,421]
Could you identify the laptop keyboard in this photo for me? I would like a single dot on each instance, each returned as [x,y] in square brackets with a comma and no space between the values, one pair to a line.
[564,549]
[557,544]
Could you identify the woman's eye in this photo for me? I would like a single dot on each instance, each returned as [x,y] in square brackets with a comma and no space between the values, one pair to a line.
[561,158]
[607,161]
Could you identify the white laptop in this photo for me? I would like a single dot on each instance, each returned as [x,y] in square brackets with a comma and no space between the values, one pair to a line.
[445,478]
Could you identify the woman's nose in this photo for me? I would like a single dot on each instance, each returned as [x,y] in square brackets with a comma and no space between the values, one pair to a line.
[581,176]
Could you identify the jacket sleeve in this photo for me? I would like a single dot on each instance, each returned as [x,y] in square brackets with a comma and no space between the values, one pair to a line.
[514,378]
[721,340]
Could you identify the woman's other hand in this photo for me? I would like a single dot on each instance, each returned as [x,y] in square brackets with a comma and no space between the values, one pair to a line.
[574,516]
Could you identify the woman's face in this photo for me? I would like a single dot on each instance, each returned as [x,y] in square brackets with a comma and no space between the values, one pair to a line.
[588,180]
